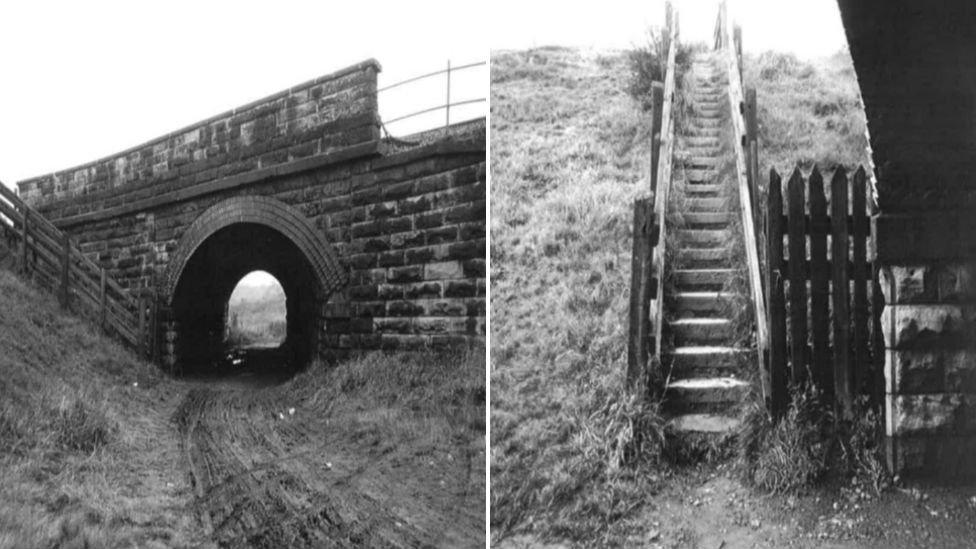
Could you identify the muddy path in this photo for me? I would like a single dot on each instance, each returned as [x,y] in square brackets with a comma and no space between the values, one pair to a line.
[271,473]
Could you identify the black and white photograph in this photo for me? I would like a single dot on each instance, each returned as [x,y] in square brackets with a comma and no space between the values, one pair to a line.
[664,274]
[732,275]
[243,275]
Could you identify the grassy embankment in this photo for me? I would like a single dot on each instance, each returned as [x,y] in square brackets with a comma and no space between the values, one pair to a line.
[86,450]
[809,112]
[571,456]
[570,153]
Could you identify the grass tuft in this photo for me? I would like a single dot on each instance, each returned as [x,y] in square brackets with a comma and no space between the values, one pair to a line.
[83,428]
[790,454]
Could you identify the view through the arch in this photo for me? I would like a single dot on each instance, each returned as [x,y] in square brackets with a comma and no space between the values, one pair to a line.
[256,313]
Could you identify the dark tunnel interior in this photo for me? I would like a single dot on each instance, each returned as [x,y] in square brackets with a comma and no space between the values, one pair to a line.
[200,301]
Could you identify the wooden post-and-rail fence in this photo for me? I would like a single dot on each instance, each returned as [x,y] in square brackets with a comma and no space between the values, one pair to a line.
[647,267]
[822,275]
[51,259]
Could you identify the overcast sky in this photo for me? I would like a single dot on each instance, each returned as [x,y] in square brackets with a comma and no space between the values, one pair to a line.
[83,80]
[809,28]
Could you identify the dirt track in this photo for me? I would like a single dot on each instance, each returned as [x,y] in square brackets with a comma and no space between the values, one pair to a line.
[267,473]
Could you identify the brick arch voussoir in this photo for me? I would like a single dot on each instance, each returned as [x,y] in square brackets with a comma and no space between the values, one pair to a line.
[272,213]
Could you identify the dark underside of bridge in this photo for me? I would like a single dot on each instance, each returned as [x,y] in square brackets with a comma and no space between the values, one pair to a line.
[199,306]
[916,67]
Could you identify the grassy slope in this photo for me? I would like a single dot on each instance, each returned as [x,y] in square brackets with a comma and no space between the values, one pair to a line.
[86,450]
[569,150]
[810,112]
[568,157]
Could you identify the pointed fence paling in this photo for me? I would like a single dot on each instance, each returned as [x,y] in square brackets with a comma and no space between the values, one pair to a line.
[51,258]
[821,325]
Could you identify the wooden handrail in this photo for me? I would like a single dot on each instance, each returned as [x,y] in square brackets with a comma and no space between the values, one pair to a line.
[69,272]
[664,165]
[736,96]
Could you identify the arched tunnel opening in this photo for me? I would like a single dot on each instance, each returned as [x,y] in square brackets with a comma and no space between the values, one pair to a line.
[201,303]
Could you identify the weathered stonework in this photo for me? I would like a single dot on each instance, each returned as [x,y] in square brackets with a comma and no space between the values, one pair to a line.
[916,78]
[405,224]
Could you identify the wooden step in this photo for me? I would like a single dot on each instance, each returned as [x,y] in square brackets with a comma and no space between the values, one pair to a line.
[703,150]
[700,331]
[711,142]
[707,390]
[704,258]
[707,204]
[713,133]
[687,360]
[708,96]
[702,279]
[700,175]
[703,189]
[702,238]
[707,121]
[708,109]
[704,161]
[718,424]
[706,219]
[700,302]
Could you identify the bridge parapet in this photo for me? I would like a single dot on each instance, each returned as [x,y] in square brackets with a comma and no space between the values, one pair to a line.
[320,116]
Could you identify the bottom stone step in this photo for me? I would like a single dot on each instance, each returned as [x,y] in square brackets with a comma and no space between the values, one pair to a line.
[707,390]
[705,423]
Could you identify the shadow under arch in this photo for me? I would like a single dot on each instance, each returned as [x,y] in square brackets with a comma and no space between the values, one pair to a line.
[229,240]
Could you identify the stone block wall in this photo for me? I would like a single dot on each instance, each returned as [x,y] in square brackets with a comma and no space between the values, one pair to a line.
[930,333]
[413,235]
[326,114]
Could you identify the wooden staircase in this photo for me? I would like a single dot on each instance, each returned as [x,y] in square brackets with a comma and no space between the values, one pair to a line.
[703,351]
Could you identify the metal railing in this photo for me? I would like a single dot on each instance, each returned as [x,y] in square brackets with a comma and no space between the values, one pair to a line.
[448,103]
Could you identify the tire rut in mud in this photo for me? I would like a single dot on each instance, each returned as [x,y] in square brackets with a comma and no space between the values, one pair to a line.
[257,485]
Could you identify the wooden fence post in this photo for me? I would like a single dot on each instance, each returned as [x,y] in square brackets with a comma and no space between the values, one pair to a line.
[25,268]
[141,346]
[775,298]
[640,289]
[752,125]
[839,254]
[798,280]
[154,327]
[65,269]
[101,300]
[657,106]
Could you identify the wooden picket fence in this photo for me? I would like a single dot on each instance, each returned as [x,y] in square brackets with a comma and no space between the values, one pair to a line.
[50,258]
[822,303]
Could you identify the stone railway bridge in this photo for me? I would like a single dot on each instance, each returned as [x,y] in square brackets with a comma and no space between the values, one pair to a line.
[376,244]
